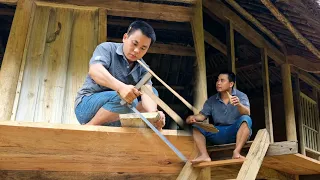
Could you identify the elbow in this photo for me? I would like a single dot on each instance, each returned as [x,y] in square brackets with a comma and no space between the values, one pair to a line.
[92,71]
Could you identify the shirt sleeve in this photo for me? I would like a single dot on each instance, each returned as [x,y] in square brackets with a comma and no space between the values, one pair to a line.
[244,100]
[101,55]
[207,108]
[143,72]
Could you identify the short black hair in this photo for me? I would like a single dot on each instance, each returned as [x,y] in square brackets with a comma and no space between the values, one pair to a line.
[231,76]
[145,28]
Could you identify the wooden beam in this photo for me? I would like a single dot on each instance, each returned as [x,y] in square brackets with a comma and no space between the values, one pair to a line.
[304,63]
[178,1]
[102,36]
[290,27]
[169,49]
[6,12]
[11,63]
[136,9]
[266,94]
[9,2]
[188,172]
[225,14]
[231,47]
[254,21]
[214,42]
[134,120]
[307,78]
[254,158]
[288,103]
[67,152]
[164,106]
[200,87]
[219,163]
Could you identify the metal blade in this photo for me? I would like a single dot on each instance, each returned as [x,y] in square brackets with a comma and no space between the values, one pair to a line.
[171,146]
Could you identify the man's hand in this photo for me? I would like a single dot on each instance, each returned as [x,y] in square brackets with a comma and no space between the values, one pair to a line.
[129,93]
[191,119]
[161,122]
[235,101]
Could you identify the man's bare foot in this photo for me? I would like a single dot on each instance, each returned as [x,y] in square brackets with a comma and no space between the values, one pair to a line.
[237,155]
[200,159]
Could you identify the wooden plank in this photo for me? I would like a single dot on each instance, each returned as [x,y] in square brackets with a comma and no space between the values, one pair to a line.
[254,158]
[231,54]
[205,174]
[290,27]
[83,42]
[12,59]
[136,9]
[225,14]
[6,12]
[254,21]
[200,87]
[102,25]
[57,147]
[54,67]
[170,49]
[300,115]
[9,2]
[51,175]
[266,93]
[32,73]
[134,120]
[288,103]
[293,164]
[219,163]
[214,42]
[163,105]
[304,63]
[188,172]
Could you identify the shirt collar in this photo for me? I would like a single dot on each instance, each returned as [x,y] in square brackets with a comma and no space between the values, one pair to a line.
[119,51]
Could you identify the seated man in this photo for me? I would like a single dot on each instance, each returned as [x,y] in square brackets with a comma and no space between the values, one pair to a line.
[113,70]
[230,115]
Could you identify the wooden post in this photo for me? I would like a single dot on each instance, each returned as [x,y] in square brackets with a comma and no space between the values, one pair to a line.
[288,102]
[266,93]
[102,37]
[200,88]
[298,109]
[231,48]
[11,64]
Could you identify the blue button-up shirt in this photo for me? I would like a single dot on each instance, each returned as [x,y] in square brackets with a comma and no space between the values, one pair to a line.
[224,114]
[111,56]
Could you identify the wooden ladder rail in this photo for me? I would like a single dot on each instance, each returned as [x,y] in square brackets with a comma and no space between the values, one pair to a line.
[250,166]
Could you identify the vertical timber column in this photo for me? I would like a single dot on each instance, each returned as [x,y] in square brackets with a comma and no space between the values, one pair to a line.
[200,71]
[266,94]
[288,102]
[299,114]
[102,37]
[231,48]
[11,64]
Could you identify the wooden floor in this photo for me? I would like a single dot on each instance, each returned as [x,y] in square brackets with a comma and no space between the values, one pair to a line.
[43,148]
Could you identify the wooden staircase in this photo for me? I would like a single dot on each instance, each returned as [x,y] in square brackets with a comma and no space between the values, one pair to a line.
[250,166]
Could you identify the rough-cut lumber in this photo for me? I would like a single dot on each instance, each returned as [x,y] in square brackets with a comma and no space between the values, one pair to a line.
[304,63]
[169,49]
[9,2]
[225,14]
[214,42]
[219,163]
[231,54]
[200,69]
[290,27]
[306,77]
[254,21]
[207,127]
[254,158]
[102,26]
[136,9]
[188,172]
[288,103]
[11,63]
[266,93]
[134,120]
[81,148]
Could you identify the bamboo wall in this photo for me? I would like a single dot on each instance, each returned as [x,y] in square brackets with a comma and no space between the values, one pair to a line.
[59,45]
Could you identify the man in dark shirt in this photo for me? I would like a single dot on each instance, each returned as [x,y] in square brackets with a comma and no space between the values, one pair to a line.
[230,114]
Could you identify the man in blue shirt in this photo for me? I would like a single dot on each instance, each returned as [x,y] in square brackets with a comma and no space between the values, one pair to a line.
[113,70]
[230,115]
